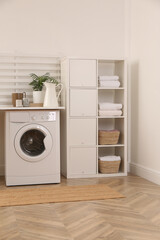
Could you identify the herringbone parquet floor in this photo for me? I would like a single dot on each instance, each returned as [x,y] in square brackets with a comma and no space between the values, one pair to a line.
[136,217]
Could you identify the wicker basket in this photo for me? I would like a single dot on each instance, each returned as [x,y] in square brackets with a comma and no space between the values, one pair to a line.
[108,137]
[108,166]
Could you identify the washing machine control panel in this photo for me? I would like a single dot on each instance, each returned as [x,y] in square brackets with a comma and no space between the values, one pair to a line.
[43,116]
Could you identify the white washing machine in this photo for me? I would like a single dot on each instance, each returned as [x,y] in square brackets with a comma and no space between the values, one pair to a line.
[32,147]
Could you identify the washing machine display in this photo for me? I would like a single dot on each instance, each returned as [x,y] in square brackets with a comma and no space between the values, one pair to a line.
[33,142]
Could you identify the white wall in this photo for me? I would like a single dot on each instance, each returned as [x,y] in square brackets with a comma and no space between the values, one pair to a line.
[69,27]
[84,28]
[145,85]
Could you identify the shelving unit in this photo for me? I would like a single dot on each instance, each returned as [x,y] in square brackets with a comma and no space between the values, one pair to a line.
[114,95]
[79,134]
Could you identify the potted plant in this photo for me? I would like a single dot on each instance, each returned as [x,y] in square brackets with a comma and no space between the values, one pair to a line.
[37,85]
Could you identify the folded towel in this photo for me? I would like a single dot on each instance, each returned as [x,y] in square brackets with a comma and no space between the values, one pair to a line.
[110,158]
[110,112]
[111,130]
[112,83]
[110,106]
[108,78]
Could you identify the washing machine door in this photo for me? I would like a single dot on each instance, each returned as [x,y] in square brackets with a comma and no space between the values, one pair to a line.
[33,143]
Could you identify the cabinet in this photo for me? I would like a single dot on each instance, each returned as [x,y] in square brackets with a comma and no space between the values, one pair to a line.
[81,122]
[82,161]
[82,132]
[82,102]
[82,73]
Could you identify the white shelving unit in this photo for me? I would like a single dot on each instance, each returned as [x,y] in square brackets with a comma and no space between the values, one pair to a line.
[80,121]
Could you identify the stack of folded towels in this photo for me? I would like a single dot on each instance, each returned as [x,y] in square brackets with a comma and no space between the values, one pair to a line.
[110,109]
[110,158]
[109,81]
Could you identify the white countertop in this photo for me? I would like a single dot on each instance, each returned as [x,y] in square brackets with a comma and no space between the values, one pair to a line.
[10,108]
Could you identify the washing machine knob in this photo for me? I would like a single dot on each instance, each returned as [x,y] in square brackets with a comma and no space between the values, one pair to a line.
[33,117]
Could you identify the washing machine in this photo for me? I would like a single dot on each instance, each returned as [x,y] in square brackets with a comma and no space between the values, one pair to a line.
[32,147]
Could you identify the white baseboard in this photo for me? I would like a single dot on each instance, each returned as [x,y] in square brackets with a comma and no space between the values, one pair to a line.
[1,170]
[128,167]
[144,172]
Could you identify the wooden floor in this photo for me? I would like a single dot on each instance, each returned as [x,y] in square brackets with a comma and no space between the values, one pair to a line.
[136,217]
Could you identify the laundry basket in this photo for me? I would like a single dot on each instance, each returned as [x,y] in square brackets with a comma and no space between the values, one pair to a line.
[108,137]
[108,166]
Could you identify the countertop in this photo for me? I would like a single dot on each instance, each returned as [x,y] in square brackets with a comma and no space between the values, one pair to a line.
[10,108]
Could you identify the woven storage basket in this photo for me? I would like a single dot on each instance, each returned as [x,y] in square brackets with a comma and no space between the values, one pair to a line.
[108,166]
[108,137]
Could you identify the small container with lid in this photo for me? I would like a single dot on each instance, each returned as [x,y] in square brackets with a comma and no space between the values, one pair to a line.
[19,103]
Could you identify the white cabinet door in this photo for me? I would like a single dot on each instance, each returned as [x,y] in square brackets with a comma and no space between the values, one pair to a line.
[83,73]
[83,160]
[83,102]
[82,131]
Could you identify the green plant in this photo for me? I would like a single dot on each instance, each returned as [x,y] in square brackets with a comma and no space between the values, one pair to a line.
[38,81]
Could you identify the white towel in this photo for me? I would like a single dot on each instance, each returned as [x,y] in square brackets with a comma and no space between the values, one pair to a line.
[109,78]
[110,106]
[110,112]
[110,158]
[114,84]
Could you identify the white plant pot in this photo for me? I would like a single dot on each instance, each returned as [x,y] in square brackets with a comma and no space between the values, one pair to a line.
[38,96]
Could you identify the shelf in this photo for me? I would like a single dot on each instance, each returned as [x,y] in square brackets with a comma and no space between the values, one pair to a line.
[10,108]
[112,68]
[110,116]
[119,174]
[111,145]
[100,117]
[107,88]
[97,175]
[102,60]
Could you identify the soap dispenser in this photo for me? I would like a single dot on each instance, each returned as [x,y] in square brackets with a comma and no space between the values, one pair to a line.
[25,100]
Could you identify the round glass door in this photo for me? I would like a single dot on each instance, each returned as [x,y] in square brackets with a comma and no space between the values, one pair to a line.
[33,142]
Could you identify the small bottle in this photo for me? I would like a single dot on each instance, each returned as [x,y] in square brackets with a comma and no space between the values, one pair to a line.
[25,100]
